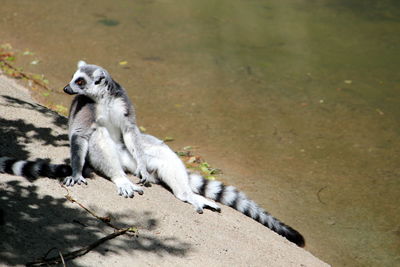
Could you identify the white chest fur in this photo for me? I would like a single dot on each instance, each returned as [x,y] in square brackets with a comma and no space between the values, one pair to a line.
[110,113]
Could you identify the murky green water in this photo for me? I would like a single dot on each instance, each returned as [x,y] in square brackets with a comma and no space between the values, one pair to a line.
[296,101]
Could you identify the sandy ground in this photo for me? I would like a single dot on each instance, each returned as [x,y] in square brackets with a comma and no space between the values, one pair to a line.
[38,217]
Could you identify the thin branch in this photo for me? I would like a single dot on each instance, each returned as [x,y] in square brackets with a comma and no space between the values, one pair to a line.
[62,258]
[48,252]
[106,220]
[80,252]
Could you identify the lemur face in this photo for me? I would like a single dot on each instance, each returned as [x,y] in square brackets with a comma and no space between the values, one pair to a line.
[88,80]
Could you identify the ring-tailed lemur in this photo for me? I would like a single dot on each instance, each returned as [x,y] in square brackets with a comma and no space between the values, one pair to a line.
[102,128]
[103,131]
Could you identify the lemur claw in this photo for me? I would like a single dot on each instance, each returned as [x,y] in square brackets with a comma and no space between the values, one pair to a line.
[72,180]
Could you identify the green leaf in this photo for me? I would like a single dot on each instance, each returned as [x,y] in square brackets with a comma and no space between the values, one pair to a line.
[132,229]
[215,171]
[27,53]
[183,153]
[204,167]
[168,139]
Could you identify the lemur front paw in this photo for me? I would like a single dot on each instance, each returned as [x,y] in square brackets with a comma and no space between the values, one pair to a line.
[126,188]
[71,180]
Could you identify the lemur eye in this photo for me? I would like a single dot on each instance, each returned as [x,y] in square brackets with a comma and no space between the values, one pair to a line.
[80,81]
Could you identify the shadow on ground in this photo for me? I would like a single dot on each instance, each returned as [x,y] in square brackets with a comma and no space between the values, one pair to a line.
[16,134]
[34,224]
[31,224]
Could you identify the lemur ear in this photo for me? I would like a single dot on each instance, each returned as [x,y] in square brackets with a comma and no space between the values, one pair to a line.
[81,63]
[98,76]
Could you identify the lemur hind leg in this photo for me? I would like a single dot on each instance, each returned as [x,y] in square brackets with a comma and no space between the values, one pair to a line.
[105,158]
[173,174]
[127,161]
[129,165]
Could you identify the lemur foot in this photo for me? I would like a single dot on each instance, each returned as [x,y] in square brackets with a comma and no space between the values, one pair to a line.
[126,188]
[200,202]
[71,180]
[143,174]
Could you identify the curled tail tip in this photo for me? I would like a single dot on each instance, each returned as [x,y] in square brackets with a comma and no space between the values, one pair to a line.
[296,237]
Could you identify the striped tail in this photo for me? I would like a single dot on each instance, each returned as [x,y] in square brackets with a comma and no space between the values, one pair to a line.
[33,169]
[230,196]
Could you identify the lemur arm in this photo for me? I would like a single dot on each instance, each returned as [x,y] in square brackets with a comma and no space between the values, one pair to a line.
[133,141]
[79,149]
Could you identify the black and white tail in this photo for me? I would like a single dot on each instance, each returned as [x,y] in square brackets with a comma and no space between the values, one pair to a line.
[34,169]
[230,196]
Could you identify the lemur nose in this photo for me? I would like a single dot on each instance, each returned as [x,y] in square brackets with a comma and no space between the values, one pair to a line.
[68,90]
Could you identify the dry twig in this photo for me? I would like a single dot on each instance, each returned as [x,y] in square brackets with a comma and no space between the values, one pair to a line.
[132,231]
[106,220]
[77,253]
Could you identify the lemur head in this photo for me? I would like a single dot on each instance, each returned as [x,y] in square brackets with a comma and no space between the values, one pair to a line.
[90,80]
